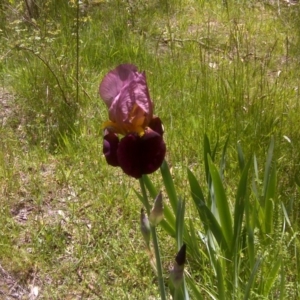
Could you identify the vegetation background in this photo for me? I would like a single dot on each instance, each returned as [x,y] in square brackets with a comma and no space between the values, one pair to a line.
[69,225]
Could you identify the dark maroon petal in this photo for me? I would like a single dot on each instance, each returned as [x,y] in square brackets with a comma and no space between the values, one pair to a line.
[141,155]
[153,150]
[156,125]
[129,155]
[110,147]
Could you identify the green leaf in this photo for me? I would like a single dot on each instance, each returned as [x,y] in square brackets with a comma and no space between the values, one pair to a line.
[271,276]
[179,237]
[282,282]
[220,281]
[286,217]
[269,201]
[251,279]
[150,187]
[194,289]
[169,185]
[240,204]
[144,202]
[240,157]
[195,187]
[193,243]
[237,244]
[208,219]
[297,180]
[223,159]
[214,151]
[268,167]
[250,232]
[256,179]
[221,203]
[180,223]
[207,151]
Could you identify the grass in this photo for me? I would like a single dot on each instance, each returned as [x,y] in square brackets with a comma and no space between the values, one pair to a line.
[69,222]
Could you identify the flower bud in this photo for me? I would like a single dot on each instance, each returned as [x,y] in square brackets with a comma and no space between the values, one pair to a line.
[157,212]
[145,228]
[178,268]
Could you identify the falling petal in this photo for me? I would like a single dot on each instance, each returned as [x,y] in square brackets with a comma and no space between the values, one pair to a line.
[128,155]
[157,126]
[110,147]
[153,151]
[141,155]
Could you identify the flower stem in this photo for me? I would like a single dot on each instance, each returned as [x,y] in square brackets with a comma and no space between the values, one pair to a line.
[155,244]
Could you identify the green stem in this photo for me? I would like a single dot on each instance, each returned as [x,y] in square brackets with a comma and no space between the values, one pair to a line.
[155,244]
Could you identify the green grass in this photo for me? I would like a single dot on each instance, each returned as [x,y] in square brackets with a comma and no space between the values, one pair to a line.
[221,70]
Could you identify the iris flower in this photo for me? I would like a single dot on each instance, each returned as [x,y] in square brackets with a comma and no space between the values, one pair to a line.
[141,149]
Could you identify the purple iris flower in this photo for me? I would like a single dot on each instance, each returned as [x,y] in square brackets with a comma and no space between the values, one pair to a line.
[142,149]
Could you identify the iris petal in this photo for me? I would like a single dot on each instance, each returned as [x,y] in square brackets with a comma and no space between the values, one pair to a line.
[129,155]
[133,104]
[110,147]
[113,82]
[141,155]
[154,150]
[156,125]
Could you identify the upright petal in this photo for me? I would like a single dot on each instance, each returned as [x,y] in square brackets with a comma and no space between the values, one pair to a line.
[113,82]
[133,105]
